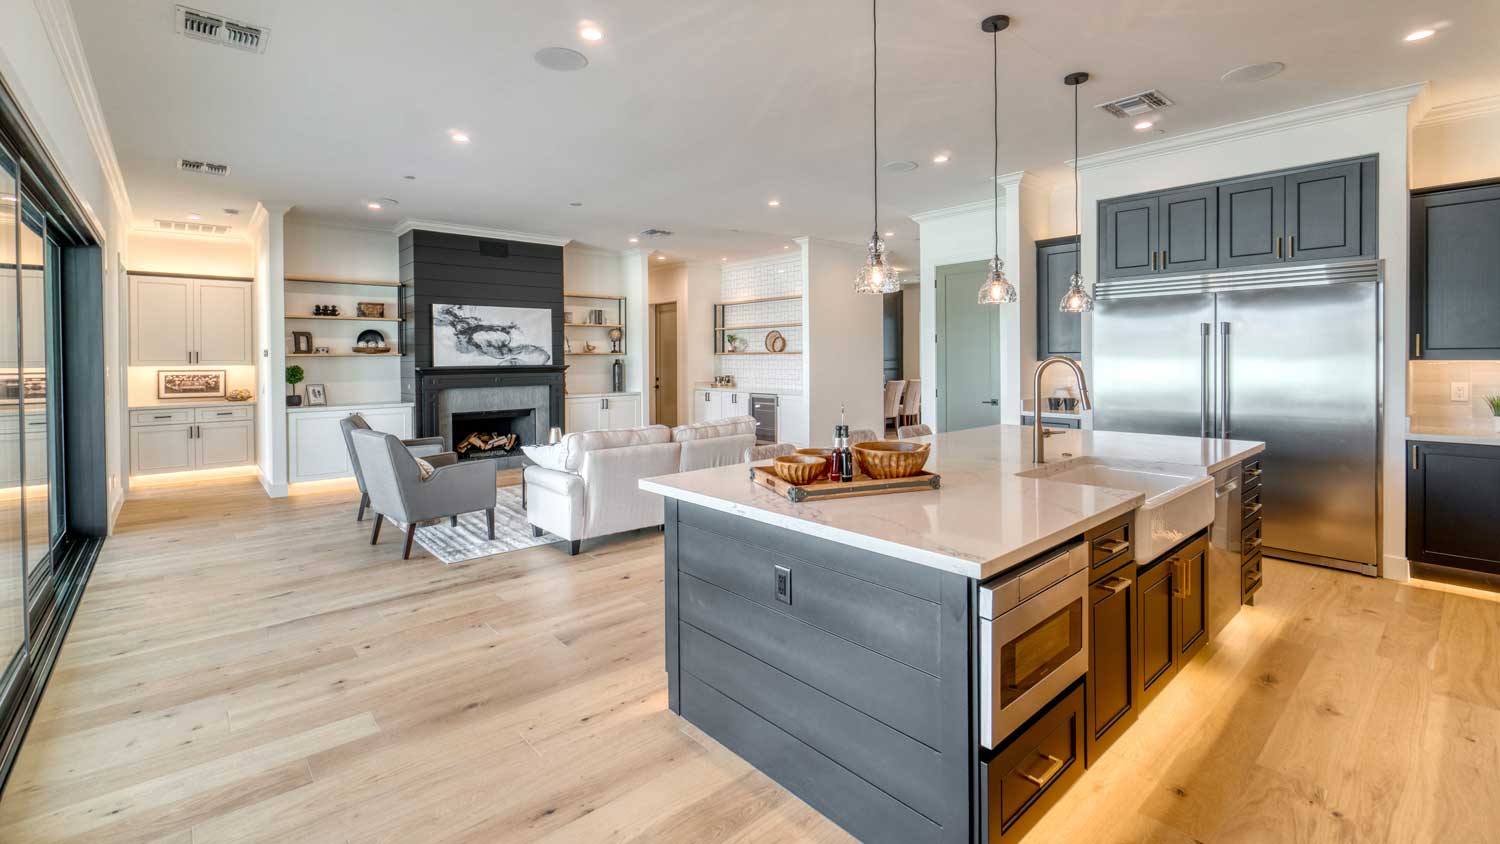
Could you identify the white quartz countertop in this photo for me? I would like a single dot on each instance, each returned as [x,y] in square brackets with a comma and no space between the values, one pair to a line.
[598,395]
[769,391]
[374,405]
[159,404]
[986,518]
[1478,432]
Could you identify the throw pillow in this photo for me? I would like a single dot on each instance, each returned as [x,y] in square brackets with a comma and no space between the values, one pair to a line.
[424,467]
[547,456]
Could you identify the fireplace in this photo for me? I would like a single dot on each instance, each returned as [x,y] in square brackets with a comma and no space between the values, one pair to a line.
[493,433]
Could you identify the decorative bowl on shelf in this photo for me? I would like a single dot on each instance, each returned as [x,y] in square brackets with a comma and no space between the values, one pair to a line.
[238,395]
[800,468]
[889,459]
[825,453]
[372,350]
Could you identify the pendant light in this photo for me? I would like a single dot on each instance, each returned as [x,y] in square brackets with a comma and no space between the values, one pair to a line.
[1077,300]
[877,276]
[996,289]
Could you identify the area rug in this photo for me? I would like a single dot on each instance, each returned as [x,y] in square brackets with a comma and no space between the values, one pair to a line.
[469,540]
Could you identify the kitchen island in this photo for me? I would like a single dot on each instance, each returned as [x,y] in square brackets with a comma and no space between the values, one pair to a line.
[847,648]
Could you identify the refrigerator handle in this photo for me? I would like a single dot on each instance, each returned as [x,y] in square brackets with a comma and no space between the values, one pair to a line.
[1224,380]
[1205,385]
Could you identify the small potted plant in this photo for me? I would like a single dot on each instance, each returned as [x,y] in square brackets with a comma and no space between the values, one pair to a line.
[294,376]
[1494,403]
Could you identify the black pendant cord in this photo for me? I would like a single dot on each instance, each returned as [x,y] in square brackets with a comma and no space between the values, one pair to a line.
[1077,200]
[875,116]
[995,176]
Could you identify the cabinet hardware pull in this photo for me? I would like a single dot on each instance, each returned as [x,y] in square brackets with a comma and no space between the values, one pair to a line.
[1253,473]
[1116,585]
[1291,246]
[1414,464]
[1252,511]
[168,416]
[1153,260]
[1279,239]
[1111,546]
[1054,765]
[1164,259]
[1419,344]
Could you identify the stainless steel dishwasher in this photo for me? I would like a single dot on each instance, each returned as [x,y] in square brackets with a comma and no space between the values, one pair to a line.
[1223,574]
[763,408]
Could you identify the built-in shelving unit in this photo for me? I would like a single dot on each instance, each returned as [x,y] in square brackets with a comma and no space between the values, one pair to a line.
[593,325]
[306,279]
[744,354]
[619,323]
[349,318]
[757,301]
[343,355]
[722,328]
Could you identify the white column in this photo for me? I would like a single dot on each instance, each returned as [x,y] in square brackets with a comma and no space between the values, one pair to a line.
[267,234]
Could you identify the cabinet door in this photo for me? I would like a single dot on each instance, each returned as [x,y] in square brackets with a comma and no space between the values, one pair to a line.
[1128,242]
[1455,274]
[162,448]
[161,321]
[1452,496]
[315,447]
[1189,230]
[1057,333]
[1112,677]
[1323,214]
[225,444]
[222,317]
[390,420]
[718,404]
[1251,222]
[623,411]
[1192,599]
[739,404]
[1156,611]
[585,414]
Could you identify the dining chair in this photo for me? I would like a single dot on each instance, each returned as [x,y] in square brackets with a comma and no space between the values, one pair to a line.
[909,431]
[894,390]
[911,404]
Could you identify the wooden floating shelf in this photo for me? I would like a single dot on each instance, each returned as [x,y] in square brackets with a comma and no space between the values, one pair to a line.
[568,295]
[348,318]
[762,299]
[767,325]
[741,354]
[309,279]
[594,354]
[343,355]
[592,325]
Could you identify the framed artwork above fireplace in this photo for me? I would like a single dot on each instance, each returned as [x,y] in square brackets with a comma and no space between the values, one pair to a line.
[487,335]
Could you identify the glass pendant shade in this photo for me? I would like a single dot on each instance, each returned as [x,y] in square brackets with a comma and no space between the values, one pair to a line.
[877,276]
[997,289]
[1077,300]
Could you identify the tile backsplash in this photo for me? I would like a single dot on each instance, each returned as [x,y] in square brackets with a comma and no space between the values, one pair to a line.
[779,275]
[1429,390]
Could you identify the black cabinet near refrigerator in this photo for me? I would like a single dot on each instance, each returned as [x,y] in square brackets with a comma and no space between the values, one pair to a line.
[1455,273]
[1452,498]
[1057,333]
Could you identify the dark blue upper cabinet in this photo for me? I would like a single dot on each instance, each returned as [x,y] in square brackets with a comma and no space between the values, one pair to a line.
[1127,245]
[1323,214]
[1455,273]
[1187,241]
[1057,333]
[1251,222]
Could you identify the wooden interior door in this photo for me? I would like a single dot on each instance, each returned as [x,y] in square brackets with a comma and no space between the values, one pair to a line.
[664,394]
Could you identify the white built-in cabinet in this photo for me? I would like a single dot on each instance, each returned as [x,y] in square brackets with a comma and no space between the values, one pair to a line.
[712,405]
[184,439]
[190,321]
[315,443]
[600,413]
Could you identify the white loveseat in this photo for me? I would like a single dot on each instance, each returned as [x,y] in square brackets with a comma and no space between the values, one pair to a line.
[586,487]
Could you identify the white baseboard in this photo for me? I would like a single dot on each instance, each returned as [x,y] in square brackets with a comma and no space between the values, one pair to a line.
[1396,568]
[116,504]
[272,489]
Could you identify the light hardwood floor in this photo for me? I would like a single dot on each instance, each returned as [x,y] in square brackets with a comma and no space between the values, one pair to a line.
[245,669]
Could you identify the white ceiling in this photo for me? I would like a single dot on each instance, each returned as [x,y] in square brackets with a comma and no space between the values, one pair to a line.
[692,115]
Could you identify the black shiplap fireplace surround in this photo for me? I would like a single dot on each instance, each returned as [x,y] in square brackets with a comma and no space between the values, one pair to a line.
[441,268]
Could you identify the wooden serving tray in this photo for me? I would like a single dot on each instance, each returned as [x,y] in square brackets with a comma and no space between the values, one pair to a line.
[861,485]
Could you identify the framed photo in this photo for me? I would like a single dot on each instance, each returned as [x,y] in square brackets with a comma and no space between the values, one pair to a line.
[302,343]
[190,383]
[372,310]
[317,395]
[484,335]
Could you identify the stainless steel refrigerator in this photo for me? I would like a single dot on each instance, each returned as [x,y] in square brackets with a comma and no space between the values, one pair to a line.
[1288,355]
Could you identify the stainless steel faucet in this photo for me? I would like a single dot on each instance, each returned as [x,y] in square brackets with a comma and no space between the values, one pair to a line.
[1037,436]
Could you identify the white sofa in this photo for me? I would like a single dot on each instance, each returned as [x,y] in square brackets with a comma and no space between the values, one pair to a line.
[586,487]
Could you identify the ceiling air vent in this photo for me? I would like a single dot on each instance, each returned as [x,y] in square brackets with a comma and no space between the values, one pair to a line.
[185,227]
[204,168]
[1138,104]
[206,26]
[655,233]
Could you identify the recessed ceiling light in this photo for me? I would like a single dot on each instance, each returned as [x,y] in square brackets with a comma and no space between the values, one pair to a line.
[561,59]
[775,203]
[590,31]
[723,259]
[458,136]
[786,247]
[661,257]
[635,240]
[195,216]
[1253,72]
[940,158]
[373,206]
[1420,35]
[1143,125]
[890,234]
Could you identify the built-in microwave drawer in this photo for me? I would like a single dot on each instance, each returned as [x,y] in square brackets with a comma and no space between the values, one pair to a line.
[169,416]
[225,414]
[1026,776]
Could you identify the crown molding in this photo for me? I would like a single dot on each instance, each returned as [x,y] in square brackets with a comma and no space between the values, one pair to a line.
[62,32]
[1391,98]
[955,210]
[1461,110]
[479,231]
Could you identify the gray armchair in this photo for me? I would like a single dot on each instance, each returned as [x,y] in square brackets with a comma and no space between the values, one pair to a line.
[396,488]
[424,447]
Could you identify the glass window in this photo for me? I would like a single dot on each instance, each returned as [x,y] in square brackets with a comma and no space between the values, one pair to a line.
[12,582]
[35,400]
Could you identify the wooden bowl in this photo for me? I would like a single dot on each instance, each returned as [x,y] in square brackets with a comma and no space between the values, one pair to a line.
[825,453]
[888,459]
[800,468]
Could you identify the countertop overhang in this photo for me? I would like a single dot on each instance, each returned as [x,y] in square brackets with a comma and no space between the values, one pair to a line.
[986,518]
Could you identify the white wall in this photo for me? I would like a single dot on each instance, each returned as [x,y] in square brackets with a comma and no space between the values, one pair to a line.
[190,254]
[42,61]
[911,330]
[1458,143]
[843,342]
[1371,125]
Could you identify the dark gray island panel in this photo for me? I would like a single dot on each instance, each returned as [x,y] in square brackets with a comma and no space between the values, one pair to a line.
[851,688]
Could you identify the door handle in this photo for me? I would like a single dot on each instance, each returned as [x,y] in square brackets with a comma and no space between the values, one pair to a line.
[1054,765]
[1224,420]
[991,402]
[1205,387]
